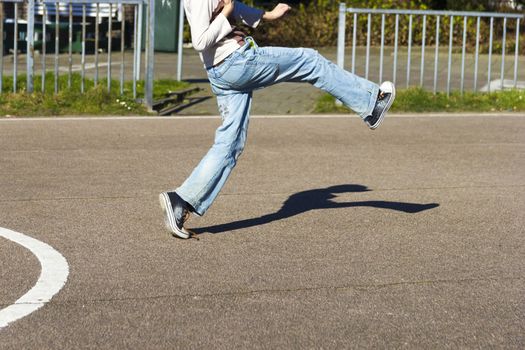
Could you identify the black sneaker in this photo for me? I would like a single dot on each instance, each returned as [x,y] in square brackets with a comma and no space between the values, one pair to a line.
[176,213]
[387,94]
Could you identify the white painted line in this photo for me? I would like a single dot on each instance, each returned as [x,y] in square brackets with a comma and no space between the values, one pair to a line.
[52,278]
[272,116]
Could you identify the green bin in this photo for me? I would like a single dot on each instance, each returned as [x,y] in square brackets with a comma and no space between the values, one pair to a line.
[166,25]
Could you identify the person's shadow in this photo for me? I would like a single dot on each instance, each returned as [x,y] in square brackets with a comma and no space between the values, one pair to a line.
[320,198]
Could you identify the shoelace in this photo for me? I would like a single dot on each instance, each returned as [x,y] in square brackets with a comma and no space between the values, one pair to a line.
[193,235]
[186,216]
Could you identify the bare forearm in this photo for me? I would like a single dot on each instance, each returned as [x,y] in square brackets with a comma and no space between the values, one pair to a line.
[279,11]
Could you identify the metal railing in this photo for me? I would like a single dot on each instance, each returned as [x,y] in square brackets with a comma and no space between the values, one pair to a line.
[423,18]
[76,13]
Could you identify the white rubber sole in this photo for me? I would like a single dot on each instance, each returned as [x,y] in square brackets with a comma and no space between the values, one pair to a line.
[387,87]
[169,217]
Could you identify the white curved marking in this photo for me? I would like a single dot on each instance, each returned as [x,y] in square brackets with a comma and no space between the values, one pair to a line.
[52,278]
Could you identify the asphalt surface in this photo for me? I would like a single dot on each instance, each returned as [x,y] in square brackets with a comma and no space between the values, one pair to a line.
[327,235]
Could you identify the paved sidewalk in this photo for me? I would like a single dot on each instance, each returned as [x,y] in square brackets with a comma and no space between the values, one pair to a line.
[284,98]
[300,98]
[328,235]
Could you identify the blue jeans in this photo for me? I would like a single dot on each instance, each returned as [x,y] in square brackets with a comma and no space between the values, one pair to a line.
[250,68]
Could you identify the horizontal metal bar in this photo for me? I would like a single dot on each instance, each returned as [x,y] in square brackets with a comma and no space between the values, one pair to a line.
[435,13]
[63,8]
[86,2]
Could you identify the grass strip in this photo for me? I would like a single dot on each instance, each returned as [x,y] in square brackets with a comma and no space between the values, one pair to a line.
[96,100]
[417,100]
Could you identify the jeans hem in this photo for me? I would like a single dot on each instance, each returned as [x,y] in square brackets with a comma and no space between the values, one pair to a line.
[193,208]
[372,103]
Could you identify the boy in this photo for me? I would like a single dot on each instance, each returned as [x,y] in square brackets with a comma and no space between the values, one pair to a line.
[236,66]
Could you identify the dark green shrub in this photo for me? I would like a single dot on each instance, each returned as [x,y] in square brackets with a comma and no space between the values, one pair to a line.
[314,24]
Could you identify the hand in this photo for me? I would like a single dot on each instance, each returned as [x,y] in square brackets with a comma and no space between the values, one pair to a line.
[279,11]
[228,8]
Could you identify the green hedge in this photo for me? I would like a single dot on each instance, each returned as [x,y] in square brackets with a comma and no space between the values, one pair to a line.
[315,25]
[70,101]
[417,100]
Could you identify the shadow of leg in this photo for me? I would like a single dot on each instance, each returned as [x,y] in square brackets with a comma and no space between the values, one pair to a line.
[313,200]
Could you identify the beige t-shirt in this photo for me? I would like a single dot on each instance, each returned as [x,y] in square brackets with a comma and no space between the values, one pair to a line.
[209,38]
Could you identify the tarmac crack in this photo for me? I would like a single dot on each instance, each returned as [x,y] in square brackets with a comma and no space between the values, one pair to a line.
[70,198]
[357,287]
[375,190]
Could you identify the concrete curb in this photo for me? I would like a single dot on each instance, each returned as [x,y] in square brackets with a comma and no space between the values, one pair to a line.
[273,116]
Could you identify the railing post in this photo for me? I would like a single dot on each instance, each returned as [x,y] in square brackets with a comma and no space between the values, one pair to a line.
[1,46]
[503,44]
[44,44]
[15,50]
[136,49]
[181,39]
[436,55]
[489,67]
[423,38]
[463,50]
[396,32]
[409,52]
[110,36]
[450,43]
[70,47]
[57,42]
[30,44]
[476,58]
[381,51]
[341,35]
[83,59]
[368,30]
[354,40]
[516,51]
[122,44]
[150,56]
[341,40]
[139,37]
